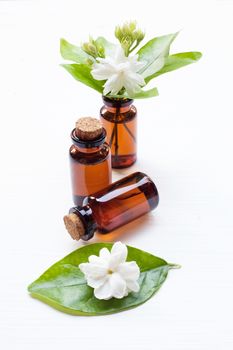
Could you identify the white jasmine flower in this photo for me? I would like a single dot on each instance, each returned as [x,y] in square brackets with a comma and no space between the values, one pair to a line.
[109,273]
[120,72]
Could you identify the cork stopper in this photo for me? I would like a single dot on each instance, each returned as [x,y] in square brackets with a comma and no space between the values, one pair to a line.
[88,128]
[74,226]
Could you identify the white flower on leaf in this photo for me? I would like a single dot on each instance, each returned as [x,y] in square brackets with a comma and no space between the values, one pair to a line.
[119,71]
[109,273]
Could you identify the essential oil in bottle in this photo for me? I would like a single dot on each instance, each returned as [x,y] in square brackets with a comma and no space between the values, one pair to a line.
[119,118]
[116,205]
[90,159]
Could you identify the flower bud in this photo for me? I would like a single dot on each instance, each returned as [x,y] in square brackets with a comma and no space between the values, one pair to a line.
[93,48]
[129,36]
[140,35]
[126,43]
[90,49]
[118,33]
[132,25]
[100,50]
[89,61]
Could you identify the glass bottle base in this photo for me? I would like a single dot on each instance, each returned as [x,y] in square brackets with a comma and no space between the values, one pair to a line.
[120,162]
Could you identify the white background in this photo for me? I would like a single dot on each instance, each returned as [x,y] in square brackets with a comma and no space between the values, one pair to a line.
[185,145]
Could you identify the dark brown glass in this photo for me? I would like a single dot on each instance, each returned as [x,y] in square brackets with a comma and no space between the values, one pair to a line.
[90,166]
[116,205]
[119,118]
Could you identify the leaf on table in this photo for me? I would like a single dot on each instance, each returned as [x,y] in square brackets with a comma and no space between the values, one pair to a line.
[64,287]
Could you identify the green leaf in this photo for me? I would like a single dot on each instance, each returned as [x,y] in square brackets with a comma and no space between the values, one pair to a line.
[82,73]
[109,47]
[176,61]
[146,94]
[64,287]
[74,53]
[154,52]
[141,94]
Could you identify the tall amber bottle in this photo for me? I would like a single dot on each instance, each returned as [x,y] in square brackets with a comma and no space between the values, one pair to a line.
[90,159]
[112,207]
[119,118]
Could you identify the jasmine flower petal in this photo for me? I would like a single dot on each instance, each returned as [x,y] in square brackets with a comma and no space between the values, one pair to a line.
[109,273]
[96,282]
[118,255]
[133,286]
[118,286]
[105,253]
[113,85]
[129,271]
[104,291]
[93,270]
[119,71]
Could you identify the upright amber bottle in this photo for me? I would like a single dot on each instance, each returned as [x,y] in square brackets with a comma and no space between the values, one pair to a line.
[112,207]
[90,159]
[119,118]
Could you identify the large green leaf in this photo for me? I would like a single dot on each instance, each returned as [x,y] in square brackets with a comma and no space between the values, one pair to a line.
[146,94]
[176,61]
[74,53]
[154,52]
[64,287]
[109,48]
[82,73]
[141,94]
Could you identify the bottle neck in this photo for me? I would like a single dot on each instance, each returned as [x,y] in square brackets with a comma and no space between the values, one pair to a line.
[85,214]
[120,105]
[88,150]
[88,146]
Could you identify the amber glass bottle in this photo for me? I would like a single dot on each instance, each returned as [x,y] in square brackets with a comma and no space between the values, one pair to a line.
[90,159]
[119,118]
[112,207]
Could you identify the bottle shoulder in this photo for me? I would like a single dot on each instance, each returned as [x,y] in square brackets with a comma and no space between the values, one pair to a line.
[120,117]
[90,158]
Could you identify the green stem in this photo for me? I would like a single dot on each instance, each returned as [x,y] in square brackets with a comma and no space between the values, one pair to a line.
[136,45]
[130,132]
[116,134]
[174,266]
[112,137]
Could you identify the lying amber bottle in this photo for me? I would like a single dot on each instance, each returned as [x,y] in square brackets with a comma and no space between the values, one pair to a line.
[90,159]
[112,207]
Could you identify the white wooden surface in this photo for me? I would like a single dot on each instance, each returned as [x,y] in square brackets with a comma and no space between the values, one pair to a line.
[185,145]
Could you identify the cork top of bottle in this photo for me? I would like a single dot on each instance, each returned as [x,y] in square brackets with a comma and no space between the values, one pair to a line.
[74,226]
[88,128]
